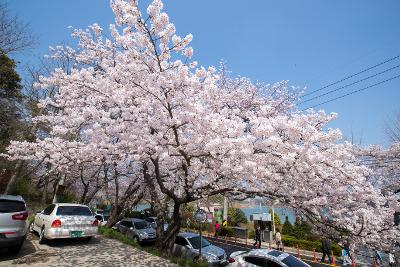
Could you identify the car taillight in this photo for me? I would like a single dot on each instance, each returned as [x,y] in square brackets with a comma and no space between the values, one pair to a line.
[20,216]
[95,223]
[231,260]
[8,233]
[56,224]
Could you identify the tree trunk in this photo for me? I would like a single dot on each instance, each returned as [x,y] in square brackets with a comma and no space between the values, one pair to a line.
[115,215]
[161,212]
[13,180]
[44,192]
[173,230]
[84,194]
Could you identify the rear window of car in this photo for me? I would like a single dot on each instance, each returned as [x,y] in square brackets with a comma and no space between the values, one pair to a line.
[8,206]
[275,253]
[292,261]
[74,210]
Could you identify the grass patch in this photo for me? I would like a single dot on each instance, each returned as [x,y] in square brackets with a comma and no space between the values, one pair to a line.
[31,217]
[114,234]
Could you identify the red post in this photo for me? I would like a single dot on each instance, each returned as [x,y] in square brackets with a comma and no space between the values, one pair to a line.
[353,263]
[298,252]
[333,260]
[315,256]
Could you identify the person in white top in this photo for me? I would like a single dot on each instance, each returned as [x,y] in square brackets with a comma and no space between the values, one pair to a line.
[392,262]
[278,240]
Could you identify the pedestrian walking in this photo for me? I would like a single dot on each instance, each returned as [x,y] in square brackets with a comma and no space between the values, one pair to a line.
[392,261]
[378,258]
[326,250]
[278,240]
[217,229]
[257,237]
[346,254]
[352,248]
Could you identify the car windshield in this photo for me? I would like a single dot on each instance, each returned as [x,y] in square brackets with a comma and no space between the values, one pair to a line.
[7,206]
[141,225]
[195,241]
[292,261]
[74,210]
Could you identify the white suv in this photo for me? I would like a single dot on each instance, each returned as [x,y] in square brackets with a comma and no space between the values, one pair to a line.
[13,222]
[64,220]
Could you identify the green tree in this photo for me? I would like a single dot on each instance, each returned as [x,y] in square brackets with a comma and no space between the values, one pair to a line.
[10,123]
[301,229]
[236,216]
[277,219]
[287,228]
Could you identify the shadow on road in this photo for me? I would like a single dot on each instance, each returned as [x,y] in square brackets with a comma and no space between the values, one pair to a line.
[27,248]
[60,243]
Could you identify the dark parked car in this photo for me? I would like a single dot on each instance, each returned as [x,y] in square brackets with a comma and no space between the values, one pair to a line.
[187,245]
[137,229]
[13,223]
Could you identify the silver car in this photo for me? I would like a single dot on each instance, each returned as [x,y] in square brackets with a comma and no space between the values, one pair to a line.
[64,220]
[187,245]
[13,222]
[137,229]
[264,257]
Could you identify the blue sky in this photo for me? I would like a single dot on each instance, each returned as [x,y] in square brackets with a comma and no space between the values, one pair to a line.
[310,43]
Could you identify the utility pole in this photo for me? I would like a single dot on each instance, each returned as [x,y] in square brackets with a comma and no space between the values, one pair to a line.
[225,215]
[273,220]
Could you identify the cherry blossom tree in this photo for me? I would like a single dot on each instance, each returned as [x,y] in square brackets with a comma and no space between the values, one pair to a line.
[177,132]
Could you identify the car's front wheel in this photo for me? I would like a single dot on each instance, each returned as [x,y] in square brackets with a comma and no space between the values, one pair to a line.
[42,238]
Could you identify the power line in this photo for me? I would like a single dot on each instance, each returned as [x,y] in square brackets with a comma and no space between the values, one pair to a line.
[351,76]
[350,84]
[353,92]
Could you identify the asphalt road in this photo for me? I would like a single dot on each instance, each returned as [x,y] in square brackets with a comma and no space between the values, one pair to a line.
[229,248]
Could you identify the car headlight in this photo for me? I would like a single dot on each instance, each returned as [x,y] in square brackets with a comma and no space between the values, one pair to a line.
[210,257]
[143,234]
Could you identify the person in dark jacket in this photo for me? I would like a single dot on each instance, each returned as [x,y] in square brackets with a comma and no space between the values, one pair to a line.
[326,250]
[258,238]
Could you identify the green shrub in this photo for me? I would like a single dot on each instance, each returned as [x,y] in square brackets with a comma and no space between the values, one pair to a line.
[204,226]
[251,234]
[290,241]
[226,231]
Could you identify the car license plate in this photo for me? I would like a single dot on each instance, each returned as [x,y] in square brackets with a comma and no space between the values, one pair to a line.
[76,234]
